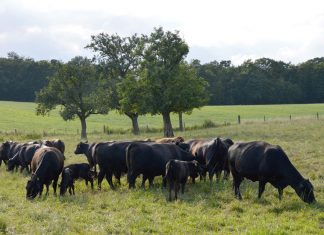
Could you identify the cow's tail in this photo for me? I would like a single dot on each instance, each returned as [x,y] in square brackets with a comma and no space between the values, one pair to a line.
[169,171]
[130,160]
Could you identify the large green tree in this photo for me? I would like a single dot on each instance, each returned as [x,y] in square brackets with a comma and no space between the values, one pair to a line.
[118,57]
[76,88]
[165,51]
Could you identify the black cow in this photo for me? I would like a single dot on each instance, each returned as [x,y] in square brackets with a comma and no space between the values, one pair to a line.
[150,160]
[213,154]
[59,144]
[177,173]
[88,151]
[263,162]
[23,158]
[47,164]
[110,157]
[73,172]
[8,150]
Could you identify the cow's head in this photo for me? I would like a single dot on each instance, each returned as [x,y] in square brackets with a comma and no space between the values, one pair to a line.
[305,191]
[33,187]
[200,169]
[12,163]
[81,148]
[4,150]
[67,180]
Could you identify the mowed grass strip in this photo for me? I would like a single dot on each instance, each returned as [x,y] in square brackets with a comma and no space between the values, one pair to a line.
[203,209]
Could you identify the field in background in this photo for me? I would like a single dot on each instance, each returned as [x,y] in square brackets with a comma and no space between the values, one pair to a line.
[20,117]
[203,209]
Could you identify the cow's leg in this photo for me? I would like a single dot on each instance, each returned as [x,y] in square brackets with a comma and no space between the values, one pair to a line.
[131,178]
[182,188]
[117,176]
[143,181]
[101,175]
[70,190]
[170,189]
[237,181]
[151,181]
[41,190]
[176,188]
[280,191]
[193,179]
[109,179]
[91,182]
[73,189]
[226,174]
[47,189]
[261,187]
[55,185]
[164,182]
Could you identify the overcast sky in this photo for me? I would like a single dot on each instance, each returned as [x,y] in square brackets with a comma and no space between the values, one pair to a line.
[292,31]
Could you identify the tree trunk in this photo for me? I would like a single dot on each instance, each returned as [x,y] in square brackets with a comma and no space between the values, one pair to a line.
[168,131]
[134,118]
[180,122]
[84,128]
[136,130]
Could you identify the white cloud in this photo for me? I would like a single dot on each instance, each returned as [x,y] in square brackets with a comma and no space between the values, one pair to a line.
[215,30]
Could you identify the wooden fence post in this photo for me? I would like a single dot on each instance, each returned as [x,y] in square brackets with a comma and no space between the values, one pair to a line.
[290,117]
[239,119]
[317,116]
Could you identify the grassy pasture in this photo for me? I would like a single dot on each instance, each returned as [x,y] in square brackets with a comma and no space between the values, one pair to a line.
[203,209]
[21,117]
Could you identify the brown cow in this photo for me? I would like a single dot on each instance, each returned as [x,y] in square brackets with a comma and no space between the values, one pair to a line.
[178,139]
[47,164]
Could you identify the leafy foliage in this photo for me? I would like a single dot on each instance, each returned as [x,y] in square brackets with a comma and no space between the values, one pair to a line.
[76,88]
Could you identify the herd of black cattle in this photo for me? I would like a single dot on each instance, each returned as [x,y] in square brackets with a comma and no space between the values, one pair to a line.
[172,158]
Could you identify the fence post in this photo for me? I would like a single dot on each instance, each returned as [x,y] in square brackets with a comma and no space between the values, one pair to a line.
[264,118]
[317,116]
[239,119]
[290,117]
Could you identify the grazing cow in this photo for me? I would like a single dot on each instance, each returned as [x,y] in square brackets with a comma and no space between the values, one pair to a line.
[150,160]
[73,172]
[47,164]
[8,150]
[263,162]
[178,139]
[213,153]
[177,173]
[23,158]
[59,144]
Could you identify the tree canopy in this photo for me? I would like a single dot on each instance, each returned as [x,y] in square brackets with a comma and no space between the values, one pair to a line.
[75,87]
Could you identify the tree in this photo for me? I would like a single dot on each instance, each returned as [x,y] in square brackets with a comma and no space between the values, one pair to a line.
[190,91]
[133,96]
[165,51]
[118,57]
[76,88]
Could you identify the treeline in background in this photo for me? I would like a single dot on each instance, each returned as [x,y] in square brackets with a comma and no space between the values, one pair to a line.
[263,81]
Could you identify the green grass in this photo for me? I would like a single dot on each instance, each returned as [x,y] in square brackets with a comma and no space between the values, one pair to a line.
[21,117]
[201,210]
